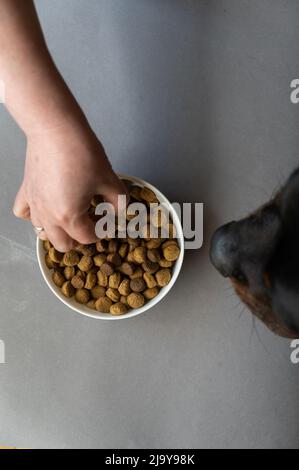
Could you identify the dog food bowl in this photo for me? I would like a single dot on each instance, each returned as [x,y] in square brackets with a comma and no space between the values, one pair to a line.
[83,310]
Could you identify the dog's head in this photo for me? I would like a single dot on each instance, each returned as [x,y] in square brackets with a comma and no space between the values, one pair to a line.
[260,255]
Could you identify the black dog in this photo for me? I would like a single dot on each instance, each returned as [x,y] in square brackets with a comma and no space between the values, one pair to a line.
[260,254]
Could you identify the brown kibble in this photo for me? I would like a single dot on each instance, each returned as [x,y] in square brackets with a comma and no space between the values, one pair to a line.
[123,250]
[69,272]
[150,280]
[113,246]
[137,285]
[137,273]
[165,264]
[58,278]
[168,243]
[133,242]
[71,258]
[118,309]
[115,280]
[49,263]
[151,293]
[103,305]
[99,259]
[91,280]
[107,268]
[86,263]
[135,193]
[171,252]
[135,300]
[154,243]
[130,257]
[102,246]
[67,289]
[124,287]
[87,250]
[82,296]
[113,294]
[123,300]
[102,279]
[55,255]
[97,292]
[154,255]
[139,254]
[127,268]
[91,304]
[114,259]
[148,195]
[163,277]
[78,282]
[150,267]
[47,245]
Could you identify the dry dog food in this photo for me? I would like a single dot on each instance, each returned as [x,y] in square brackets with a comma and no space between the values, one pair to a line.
[115,275]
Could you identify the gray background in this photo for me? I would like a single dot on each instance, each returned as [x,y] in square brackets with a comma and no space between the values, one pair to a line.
[194,97]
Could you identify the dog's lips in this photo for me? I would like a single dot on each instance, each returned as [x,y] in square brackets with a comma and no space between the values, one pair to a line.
[260,306]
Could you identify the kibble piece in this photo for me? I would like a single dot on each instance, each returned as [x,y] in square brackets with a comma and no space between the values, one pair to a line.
[123,250]
[91,280]
[133,242]
[78,282]
[168,243]
[113,294]
[114,259]
[82,296]
[130,257]
[87,250]
[135,300]
[118,309]
[68,290]
[86,263]
[148,195]
[107,268]
[71,258]
[112,246]
[124,287]
[97,292]
[103,305]
[127,268]
[47,245]
[171,252]
[102,279]
[55,255]
[154,255]
[139,254]
[150,267]
[135,193]
[115,280]
[58,278]
[69,272]
[163,277]
[49,263]
[165,264]
[137,285]
[137,273]
[91,304]
[150,280]
[102,246]
[151,293]
[99,259]
[154,243]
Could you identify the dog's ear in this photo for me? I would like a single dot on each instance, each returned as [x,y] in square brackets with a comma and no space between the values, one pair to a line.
[289,206]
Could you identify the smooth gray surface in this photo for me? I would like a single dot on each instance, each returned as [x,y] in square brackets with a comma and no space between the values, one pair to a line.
[194,97]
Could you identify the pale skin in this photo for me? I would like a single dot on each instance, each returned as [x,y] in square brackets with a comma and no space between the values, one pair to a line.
[65,162]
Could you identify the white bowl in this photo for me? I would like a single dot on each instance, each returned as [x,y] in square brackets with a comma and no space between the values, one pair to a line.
[47,274]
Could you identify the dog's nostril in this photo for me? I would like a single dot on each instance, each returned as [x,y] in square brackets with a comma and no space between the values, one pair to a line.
[224,250]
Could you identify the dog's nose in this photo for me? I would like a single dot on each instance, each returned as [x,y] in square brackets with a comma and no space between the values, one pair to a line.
[224,249]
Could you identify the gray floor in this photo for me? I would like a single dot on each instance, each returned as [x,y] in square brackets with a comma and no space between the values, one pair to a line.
[194,97]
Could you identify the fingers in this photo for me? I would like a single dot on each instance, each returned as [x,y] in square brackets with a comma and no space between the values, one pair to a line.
[59,238]
[112,189]
[21,207]
[82,229]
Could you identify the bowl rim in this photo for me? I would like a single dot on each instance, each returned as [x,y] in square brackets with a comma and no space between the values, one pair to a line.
[83,310]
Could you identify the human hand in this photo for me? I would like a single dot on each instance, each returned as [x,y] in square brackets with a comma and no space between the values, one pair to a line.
[65,167]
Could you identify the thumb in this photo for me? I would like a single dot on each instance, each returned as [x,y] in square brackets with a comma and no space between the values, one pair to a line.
[21,207]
